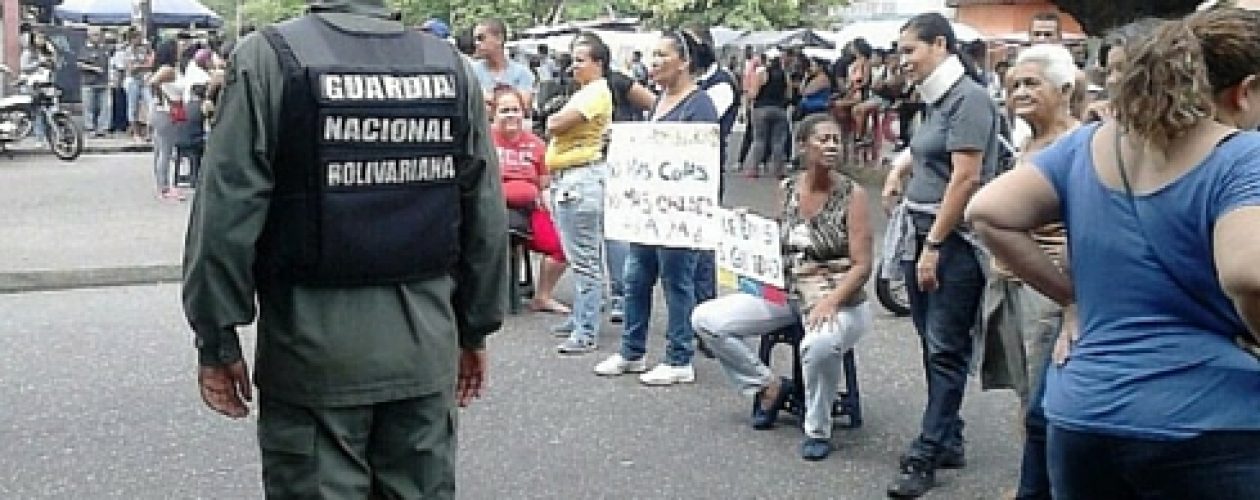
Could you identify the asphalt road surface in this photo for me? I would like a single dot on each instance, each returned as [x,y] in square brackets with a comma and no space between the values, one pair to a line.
[98,396]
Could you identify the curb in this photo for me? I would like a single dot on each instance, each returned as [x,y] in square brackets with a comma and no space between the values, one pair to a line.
[12,282]
[87,150]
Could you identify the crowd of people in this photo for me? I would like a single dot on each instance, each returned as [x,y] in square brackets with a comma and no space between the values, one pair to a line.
[1002,315]
[1015,205]
[159,92]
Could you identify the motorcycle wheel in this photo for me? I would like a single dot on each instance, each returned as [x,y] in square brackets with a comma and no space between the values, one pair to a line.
[64,137]
[892,293]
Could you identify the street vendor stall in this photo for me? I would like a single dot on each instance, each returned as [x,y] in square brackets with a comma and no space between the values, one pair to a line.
[166,13]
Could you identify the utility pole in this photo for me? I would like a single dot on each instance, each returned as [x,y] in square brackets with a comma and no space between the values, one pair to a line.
[142,17]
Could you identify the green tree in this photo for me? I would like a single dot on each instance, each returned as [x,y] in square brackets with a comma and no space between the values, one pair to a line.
[1098,17]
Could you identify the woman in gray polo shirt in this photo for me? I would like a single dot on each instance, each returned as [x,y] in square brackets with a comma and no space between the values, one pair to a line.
[954,150]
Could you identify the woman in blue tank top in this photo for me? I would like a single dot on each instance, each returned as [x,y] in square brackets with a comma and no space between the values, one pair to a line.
[681,100]
[1155,392]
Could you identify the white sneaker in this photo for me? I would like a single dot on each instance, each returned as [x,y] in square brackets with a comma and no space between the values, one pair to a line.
[664,374]
[617,365]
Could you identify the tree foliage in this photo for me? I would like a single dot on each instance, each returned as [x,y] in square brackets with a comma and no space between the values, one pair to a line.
[1099,17]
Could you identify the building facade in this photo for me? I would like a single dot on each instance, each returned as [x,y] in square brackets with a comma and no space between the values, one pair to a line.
[1003,18]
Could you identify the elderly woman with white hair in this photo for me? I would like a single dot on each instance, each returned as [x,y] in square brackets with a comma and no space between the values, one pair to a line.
[1020,323]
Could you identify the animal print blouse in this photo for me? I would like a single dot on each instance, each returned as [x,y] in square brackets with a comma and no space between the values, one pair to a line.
[816,250]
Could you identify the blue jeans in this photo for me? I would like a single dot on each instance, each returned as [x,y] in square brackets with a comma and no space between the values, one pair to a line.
[137,95]
[944,319]
[97,111]
[706,277]
[676,268]
[578,195]
[1213,466]
[615,254]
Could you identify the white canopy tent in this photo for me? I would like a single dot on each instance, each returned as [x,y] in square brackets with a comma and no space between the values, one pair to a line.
[882,34]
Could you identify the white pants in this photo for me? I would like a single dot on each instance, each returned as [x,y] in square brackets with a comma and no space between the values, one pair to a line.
[725,323]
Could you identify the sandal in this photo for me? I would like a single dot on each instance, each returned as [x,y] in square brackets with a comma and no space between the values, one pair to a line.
[552,306]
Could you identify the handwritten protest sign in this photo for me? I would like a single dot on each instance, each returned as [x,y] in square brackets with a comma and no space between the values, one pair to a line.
[748,257]
[662,184]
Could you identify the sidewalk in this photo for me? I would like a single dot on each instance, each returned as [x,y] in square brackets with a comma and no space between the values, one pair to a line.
[113,144]
[92,222]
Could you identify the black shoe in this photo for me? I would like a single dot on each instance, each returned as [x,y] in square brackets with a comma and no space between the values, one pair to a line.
[764,418]
[914,478]
[815,449]
[952,459]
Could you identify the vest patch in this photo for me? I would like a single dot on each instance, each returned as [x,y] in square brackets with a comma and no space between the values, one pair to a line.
[387,172]
[358,87]
[388,130]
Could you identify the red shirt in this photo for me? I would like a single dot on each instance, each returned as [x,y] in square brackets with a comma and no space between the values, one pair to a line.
[521,162]
[521,157]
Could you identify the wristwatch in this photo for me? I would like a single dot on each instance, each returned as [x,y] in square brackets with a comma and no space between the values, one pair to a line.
[933,245]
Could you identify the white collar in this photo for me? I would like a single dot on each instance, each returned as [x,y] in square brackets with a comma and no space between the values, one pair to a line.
[943,78]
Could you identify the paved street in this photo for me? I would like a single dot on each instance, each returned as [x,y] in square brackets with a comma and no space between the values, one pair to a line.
[97,393]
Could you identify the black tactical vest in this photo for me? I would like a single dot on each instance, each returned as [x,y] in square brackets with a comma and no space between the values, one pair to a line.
[370,154]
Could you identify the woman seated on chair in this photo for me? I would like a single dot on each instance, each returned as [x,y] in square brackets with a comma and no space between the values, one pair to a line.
[815,91]
[525,180]
[857,81]
[884,88]
[826,244]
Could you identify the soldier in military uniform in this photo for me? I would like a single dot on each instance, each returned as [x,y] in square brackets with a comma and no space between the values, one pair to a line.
[351,203]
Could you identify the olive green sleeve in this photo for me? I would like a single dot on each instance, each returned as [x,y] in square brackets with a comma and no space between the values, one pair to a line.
[230,208]
[481,278]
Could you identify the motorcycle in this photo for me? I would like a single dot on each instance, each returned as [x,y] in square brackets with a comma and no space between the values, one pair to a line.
[40,99]
[890,289]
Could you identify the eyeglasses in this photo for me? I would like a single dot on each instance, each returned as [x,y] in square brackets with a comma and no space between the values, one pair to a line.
[508,110]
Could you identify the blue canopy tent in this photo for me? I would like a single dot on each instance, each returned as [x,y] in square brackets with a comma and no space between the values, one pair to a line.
[166,13]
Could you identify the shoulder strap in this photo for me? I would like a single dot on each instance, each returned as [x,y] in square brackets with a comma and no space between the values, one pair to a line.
[1150,242]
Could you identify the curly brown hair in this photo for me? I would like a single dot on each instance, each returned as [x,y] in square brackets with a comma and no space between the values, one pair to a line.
[1172,78]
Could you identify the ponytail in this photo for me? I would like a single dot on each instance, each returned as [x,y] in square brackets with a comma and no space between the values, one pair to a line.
[969,66]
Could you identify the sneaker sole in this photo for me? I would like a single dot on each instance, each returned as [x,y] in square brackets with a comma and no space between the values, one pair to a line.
[625,371]
[663,383]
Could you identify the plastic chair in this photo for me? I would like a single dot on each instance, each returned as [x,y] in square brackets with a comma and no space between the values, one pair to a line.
[847,408]
[520,266]
[521,273]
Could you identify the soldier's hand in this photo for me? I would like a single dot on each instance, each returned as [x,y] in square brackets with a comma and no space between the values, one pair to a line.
[226,389]
[472,375]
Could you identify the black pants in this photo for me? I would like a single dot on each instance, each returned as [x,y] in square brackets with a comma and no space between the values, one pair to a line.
[118,122]
[192,154]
